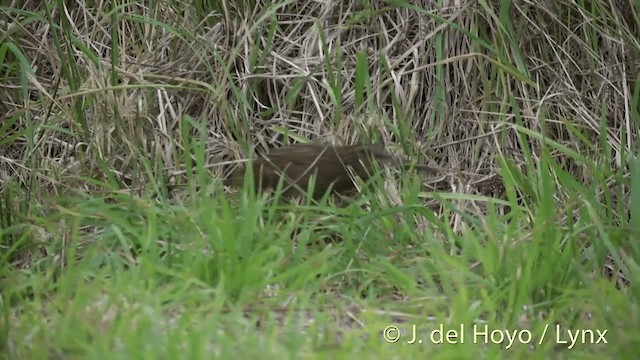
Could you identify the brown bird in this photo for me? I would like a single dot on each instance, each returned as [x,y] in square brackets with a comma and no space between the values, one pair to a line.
[333,167]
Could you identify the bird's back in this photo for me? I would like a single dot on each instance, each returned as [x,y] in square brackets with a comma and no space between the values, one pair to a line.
[331,165]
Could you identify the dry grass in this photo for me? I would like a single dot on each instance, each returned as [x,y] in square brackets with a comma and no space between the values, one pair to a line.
[450,84]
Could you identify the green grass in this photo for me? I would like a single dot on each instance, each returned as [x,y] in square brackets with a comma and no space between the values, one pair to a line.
[139,278]
[118,240]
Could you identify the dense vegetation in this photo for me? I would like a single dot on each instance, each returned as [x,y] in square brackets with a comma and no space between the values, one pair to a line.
[118,121]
